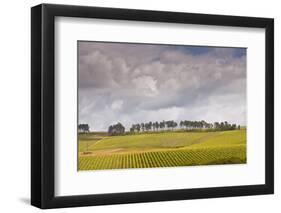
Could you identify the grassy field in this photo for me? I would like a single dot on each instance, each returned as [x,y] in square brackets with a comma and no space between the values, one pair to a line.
[97,151]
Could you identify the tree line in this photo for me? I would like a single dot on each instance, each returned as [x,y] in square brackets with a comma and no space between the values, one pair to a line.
[119,129]
[185,124]
[153,126]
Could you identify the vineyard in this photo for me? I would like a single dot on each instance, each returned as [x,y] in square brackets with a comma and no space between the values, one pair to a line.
[167,149]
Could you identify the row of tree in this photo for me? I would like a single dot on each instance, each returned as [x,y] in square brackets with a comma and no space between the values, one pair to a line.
[153,126]
[204,125]
[188,125]
[119,129]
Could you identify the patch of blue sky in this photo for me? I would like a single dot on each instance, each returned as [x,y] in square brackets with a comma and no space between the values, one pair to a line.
[237,52]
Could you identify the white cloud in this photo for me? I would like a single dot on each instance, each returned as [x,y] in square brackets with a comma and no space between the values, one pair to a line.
[117,105]
[146,85]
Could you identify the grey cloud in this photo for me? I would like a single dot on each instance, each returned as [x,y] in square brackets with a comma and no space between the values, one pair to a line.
[136,83]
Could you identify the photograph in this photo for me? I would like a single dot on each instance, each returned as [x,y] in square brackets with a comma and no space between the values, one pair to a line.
[160,105]
[138,105]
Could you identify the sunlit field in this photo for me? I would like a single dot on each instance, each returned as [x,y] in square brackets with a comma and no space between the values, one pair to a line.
[98,151]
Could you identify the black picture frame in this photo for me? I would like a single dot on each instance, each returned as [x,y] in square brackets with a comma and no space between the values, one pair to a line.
[43,105]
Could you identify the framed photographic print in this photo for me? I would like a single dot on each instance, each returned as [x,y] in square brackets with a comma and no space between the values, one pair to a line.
[139,106]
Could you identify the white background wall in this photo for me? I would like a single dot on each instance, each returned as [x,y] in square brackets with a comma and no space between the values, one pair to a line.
[15,105]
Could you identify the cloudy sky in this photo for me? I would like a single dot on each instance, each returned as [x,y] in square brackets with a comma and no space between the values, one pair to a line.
[134,83]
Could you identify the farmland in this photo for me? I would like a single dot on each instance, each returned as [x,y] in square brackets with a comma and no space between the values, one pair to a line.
[98,151]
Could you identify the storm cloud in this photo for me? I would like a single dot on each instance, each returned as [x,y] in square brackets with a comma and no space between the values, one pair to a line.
[134,83]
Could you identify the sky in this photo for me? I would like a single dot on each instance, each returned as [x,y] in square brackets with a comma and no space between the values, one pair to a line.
[134,83]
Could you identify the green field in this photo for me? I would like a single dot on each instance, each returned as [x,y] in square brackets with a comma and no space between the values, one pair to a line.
[97,151]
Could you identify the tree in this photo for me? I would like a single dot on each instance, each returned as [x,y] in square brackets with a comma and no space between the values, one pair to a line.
[174,125]
[84,128]
[157,125]
[142,127]
[162,125]
[149,126]
[168,124]
[117,129]
[222,127]
[187,124]
[181,124]
[138,127]
[146,126]
[216,125]
[135,127]
[153,126]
